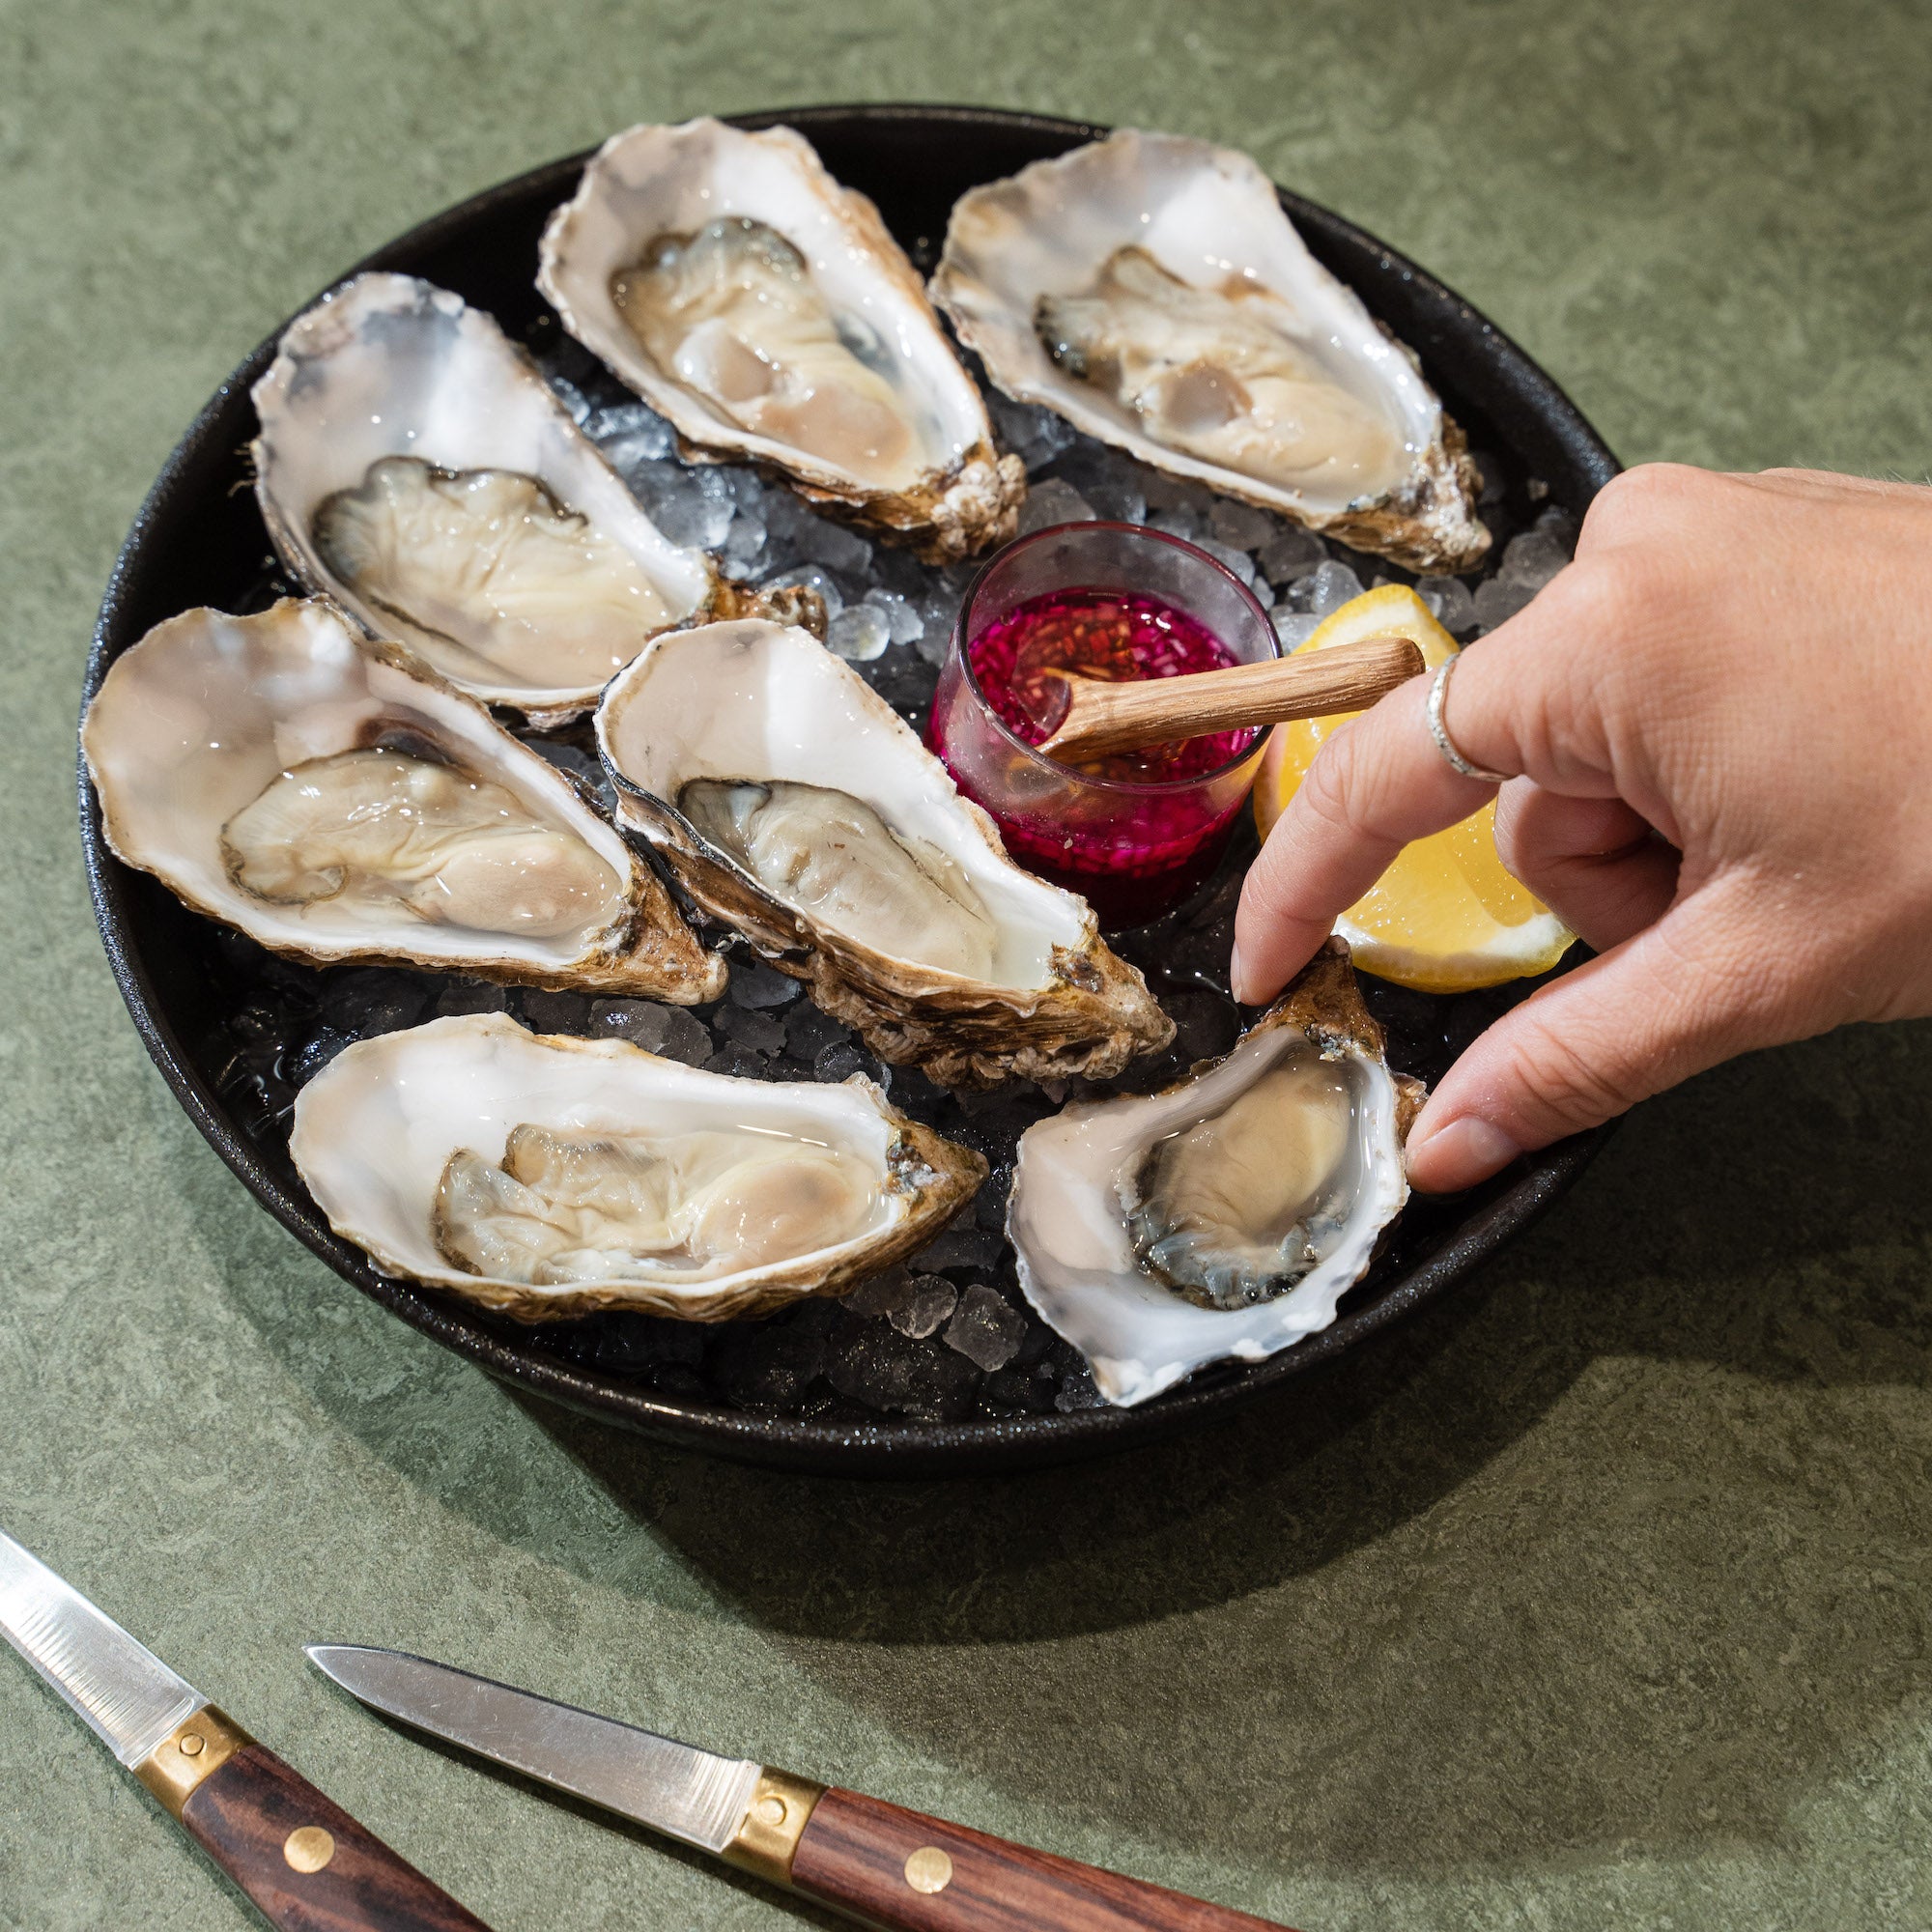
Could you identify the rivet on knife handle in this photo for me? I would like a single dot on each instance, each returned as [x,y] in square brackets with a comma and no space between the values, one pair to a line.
[899,1868]
[775,1821]
[303,1861]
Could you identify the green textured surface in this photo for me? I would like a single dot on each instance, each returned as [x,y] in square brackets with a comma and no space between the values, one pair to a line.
[1597,1597]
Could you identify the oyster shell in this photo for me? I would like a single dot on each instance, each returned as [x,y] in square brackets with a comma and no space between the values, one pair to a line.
[547,1177]
[768,313]
[791,802]
[1226,1216]
[336,802]
[1150,289]
[414,466]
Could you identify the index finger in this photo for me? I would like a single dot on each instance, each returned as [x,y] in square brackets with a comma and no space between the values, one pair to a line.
[1377,783]
[1521,702]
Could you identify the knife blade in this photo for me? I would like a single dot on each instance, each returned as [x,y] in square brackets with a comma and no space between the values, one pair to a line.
[876,1862]
[304,1861]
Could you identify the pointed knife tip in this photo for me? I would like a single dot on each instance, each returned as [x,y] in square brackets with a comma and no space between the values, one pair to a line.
[328,1657]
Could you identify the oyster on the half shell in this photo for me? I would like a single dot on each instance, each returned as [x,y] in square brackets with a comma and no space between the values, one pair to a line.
[767,312]
[336,802]
[548,1177]
[792,803]
[1150,289]
[413,465]
[1224,1216]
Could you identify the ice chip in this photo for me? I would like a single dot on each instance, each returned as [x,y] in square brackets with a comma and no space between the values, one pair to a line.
[985,1328]
[964,1244]
[1077,1390]
[859,632]
[757,985]
[1181,521]
[573,399]
[763,1032]
[906,624]
[929,1300]
[1053,501]
[556,1013]
[1236,560]
[1172,493]
[685,511]
[877,1299]
[643,1023]
[635,427]
[1118,502]
[818,540]
[840,1061]
[686,1039]
[1532,559]
[1239,525]
[1034,434]
[1449,603]
[1290,553]
[745,538]
[1333,584]
[1497,602]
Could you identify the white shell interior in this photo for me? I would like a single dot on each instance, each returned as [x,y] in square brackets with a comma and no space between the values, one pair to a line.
[388,365]
[1068,1222]
[374,1129]
[1206,215]
[652,181]
[196,720]
[758,700]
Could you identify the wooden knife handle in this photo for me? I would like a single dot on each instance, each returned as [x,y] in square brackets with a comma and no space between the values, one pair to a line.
[916,1874]
[307,1863]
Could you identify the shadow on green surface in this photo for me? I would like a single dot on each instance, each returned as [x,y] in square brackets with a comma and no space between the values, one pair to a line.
[1508,1584]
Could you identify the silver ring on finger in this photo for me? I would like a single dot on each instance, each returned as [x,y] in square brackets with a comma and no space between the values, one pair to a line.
[1439,697]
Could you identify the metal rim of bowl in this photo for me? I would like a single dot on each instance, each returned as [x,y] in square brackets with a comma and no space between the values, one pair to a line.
[1519,400]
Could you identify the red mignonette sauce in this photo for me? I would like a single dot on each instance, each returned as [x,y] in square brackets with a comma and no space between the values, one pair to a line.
[1133,831]
[1118,636]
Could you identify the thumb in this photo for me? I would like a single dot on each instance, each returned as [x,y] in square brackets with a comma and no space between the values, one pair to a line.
[1681,995]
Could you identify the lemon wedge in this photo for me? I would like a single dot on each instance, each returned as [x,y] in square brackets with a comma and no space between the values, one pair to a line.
[1445,918]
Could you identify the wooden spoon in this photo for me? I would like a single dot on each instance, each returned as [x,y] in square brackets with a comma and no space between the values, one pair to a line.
[1102,717]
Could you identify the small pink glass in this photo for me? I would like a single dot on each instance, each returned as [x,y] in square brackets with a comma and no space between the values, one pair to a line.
[1132,848]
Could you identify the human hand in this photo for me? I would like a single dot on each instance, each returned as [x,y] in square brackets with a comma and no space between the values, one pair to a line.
[1723,715]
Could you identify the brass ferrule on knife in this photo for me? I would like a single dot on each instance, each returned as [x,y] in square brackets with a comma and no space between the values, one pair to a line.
[775,1821]
[197,1748]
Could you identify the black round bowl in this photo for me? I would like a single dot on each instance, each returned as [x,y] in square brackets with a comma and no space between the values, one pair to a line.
[200,540]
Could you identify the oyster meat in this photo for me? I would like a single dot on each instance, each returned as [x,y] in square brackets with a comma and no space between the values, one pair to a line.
[548,1177]
[1151,289]
[1226,1216]
[336,802]
[413,465]
[836,861]
[792,803]
[767,312]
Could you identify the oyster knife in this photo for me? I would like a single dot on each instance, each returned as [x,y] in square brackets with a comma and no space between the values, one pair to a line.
[871,1860]
[305,1864]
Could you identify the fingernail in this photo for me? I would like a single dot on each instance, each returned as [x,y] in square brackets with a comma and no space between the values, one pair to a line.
[1238,980]
[1457,1155]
